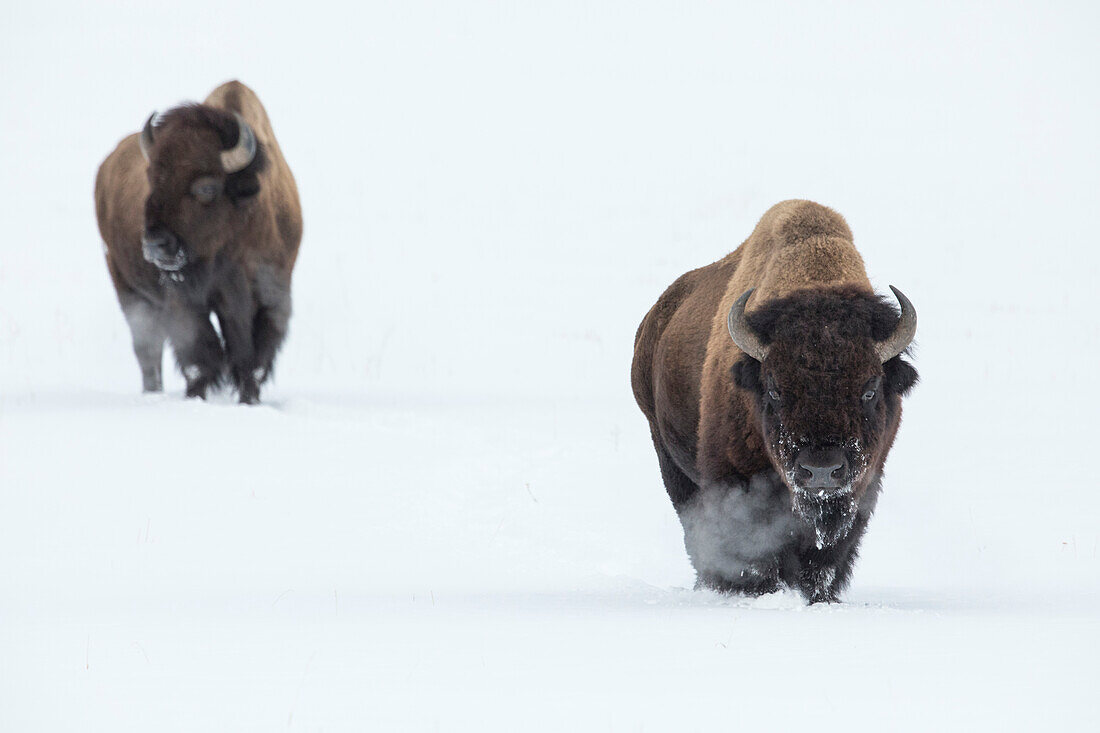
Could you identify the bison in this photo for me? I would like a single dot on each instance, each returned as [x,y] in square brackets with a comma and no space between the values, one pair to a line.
[200,215]
[772,382]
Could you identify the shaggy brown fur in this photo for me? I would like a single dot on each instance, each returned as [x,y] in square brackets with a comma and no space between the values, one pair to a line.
[714,423]
[240,247]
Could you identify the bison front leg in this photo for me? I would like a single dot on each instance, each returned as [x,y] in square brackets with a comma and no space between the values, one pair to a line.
[752,580]
[197,346]
[236,310]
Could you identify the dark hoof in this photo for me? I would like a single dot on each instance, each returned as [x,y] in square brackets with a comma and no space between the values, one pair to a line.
[814,596]
[750,586]
[197,389]
[250,394]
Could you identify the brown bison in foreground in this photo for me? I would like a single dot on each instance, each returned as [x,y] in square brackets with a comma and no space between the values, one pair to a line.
[200,215]
[772,422]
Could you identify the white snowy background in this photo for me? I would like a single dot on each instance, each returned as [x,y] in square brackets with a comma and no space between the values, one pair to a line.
[448,515]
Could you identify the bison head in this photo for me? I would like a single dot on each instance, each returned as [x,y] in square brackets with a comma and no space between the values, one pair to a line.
[204,166]
[826,376]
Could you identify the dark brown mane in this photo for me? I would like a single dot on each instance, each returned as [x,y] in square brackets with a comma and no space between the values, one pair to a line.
[191,116]
[806,314]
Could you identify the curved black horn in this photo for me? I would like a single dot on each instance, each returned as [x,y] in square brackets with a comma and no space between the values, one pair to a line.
[903,333]
[740,330]
[146,139]
[240,155]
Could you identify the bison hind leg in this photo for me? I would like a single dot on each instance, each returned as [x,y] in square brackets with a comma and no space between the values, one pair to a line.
[148,334]
[680,488]
[271,321]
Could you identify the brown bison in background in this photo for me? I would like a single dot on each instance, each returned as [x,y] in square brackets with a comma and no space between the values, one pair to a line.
[772,423]
[200,215]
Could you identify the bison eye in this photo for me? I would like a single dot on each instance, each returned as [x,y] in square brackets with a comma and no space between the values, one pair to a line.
[870,390]
[206,189]
[773,390]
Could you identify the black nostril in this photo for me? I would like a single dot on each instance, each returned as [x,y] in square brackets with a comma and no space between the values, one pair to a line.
[822,468]
[822,472]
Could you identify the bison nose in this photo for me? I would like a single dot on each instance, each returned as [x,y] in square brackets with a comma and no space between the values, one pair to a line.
[162,248]
[158,243]
[822,468]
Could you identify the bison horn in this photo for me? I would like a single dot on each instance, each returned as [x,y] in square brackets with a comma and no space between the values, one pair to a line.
[741,332]
[903,333]
[146,139]
[240,155]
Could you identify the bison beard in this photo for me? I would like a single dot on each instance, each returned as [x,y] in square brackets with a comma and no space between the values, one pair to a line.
[830,516]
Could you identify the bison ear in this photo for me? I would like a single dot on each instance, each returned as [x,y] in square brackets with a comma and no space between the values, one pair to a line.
[900,376]
[746,374]
[243,185]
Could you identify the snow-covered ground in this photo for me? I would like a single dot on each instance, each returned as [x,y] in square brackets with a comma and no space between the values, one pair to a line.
[447,514]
